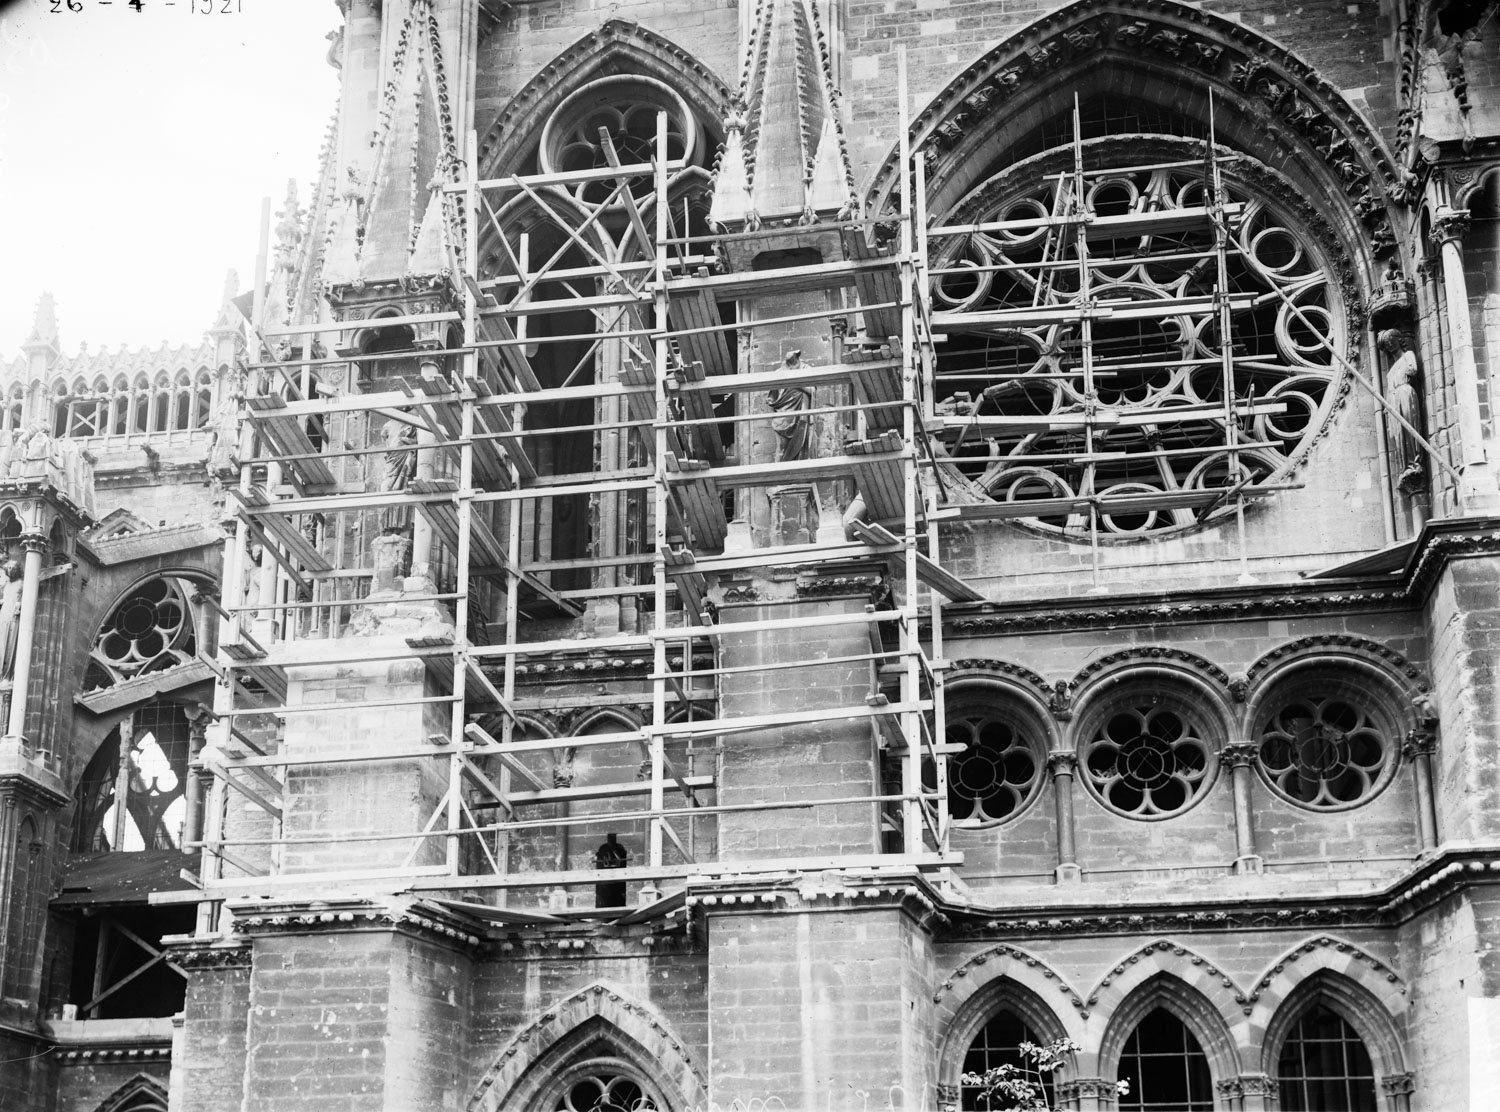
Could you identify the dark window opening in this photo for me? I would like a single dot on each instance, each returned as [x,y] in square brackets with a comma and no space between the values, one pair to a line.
[1324,1066]
[1165,1067]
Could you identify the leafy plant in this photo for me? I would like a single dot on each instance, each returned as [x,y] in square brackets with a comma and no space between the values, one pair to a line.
[1023,1088]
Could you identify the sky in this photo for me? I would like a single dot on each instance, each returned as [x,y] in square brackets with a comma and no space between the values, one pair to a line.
[135,148]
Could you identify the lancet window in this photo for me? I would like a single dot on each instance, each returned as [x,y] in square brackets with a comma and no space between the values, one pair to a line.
[1165,1067]
[1324,1066]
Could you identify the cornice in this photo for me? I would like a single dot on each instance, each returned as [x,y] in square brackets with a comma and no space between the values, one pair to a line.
[1439,543]
[1427,882]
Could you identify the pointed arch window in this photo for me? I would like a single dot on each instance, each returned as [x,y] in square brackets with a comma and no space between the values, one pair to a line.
[1324,1065]
[998,1043]
[27,900]
[15,408]
[1166,1068]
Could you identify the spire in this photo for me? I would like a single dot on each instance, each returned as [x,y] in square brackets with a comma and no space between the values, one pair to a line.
[43,327]
[227,322]
[795,162]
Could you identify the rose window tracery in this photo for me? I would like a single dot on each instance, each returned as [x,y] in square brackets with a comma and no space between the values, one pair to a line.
[1075,372]
[626,108]
[150,630]
[1148,760]
[997,772]
[1324,752]
[604,1092]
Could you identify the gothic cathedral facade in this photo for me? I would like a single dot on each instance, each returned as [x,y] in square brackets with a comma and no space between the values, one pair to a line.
[771,555]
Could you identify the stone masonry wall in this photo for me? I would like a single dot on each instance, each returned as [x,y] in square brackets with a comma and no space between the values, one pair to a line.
[820,760]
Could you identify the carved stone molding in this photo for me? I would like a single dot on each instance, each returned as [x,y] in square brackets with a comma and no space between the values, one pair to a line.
[1145,654]
[1449,224]
[1398,1084]
[977,667]
[1419,742]
[1062,762]
[1230,55]
[1336,641]
[1239,754]
[969,968]
[1323,942]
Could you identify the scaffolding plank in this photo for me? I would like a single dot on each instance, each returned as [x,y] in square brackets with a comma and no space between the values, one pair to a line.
[877,465]
[508,361]
[640,403]
[492,748]
[270,517]
[697,406]
[697,497]
[692,308]
[445,410]
[287,437]
[691,585]
[876,379]
[494,420]
[875,286]
[929,571]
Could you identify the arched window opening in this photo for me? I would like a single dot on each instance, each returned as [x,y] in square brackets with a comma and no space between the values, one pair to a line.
[141,405]
[161,403]
[131,796]
[27,904]
[150,631]
[999,770]
[1148,751]
[1328,737]
[119,407]
[182,408]
[1165,1067]
[1324,1066]
[376,375]
[203,399]
[997,1044]
[15,408]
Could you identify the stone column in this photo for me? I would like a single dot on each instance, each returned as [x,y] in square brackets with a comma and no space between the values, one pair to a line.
[1259,1092]
[194,790]
[1088,1094]
[1477,490]
[1064,766]
[34,545]
[1418,749]
[1398,1089]
[1238,757]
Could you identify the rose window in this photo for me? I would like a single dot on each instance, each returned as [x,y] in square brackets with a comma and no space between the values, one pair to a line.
[1148,761]
[995,775]
[149,631]
[1323,752]
[626,108]
[1096,375]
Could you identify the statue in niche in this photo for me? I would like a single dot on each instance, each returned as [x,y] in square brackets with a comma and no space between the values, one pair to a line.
[790,405]
[399,465]
[224,436]
[1401,378]
[10,615]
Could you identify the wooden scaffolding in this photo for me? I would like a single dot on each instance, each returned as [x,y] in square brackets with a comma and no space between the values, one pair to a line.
[663,316]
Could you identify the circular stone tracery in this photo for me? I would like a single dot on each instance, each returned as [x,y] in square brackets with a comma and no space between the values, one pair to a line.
[1147,760]
[626,107]
[1147,360]
[1324,752]
[998,771]
[148,631]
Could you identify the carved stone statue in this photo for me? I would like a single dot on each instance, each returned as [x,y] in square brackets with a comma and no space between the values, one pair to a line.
[400,464]
[1402,377]
[10,615]
[790,405]
[224,436]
